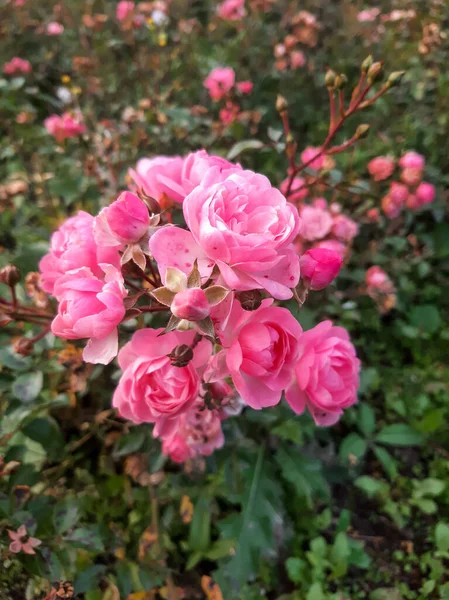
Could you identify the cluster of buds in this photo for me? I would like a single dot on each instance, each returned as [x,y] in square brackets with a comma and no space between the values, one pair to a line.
[304,29]
[222,86]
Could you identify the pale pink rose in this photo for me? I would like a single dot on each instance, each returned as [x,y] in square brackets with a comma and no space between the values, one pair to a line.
[344,228]
[231,10]
[19,2]
[411,177]
[65,126]
[321,203]
[373,215]
[244,226]
[335,246]
[280,50]
[198,165]
[297,59]
[90,307]
[412,160]
[22,542]
[73,246]
[191,304]
[319,267]
[54,28]
[198,432]
[123,10]
[245,87]
[160,178]
[261,350]
[381,168]
[219,82]
[425,193]
[335,208]
[376,277]
[368,15]
[125,221]
[151,389]
[17,65]
[327,374]
[316,223]
[313,158]
[298,190]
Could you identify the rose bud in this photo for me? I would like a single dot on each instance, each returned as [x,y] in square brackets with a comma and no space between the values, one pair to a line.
[319,267]
[425,193]
[191,304]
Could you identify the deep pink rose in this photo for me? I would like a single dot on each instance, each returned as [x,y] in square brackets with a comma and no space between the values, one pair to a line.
[191,304]
[298,189]
[395,200]
[245,87]
[231,10]
[411,177]
[219,82]
[381,168]
[344,228]
[316,223]
[313,158]
[124,8]
[17,65]
[73,246]
[90,307]
[319,267]
[412,160]
[425,193]
[160,178]
[54,28]
[176,447]
[261,350]
[65,126]
[327,374]
[373,215]
[125,221]
[151,389]
[333,245]
[322,204]
[376,277]
[244,226]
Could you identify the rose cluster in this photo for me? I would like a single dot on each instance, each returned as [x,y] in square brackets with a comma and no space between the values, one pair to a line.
[219,278]
[221,85]
[410,192]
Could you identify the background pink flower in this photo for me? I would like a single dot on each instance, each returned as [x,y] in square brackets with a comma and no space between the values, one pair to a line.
[231,10]
[22,542]
[245,87]
[54,28]
[412,160]
[316,223]
[219,82]
[160,178]
[309,154]
[381,167]
[124,8]
[319,267]
[17,65]
[64,126]
[327,374]
[344,228]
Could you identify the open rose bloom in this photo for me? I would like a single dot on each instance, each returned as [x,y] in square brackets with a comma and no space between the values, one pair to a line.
[219,276]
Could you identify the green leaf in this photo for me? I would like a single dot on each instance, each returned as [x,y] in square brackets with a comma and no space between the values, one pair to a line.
[442,537]
[240,147]
[27,387]
[352,445]
[399,434]
[66,515]
[303,473]
[441,240]
[385,594]
[199,537]
[316,592]
[295,569]
[372,487]
[430,487]
[86,537]
[46,431]
[366,419]
[426,318]
[129,443]
[388,462]
[220,549]
[339,554]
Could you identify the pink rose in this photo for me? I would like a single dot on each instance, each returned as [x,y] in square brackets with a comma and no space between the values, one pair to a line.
[231,10]
[393,203]
[151,389]
[17,65]
[297,59]
[425,193]
[191,304]
[321,203]
[319,267]
[219,82]
[298,190]
[245,227]
[412,202]
[376,277]
[368,15]
[411,177]
[334,246]
[54,28]
[316,223]
[412,160]
[160,178]
[381,168]
[245,87]
[344,228]
[261,350]
[64,126]
[73,246]
[124,8]
[177,448]
[327,374]
[313,158]
[90,307]
[125,221]
[199,164]
[373,215]
[229,113]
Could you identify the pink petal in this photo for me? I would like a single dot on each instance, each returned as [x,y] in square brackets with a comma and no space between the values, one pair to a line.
[101,351]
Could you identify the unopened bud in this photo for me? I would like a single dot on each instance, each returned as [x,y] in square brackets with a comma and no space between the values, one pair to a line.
[250,300]
[366,64]
[395,78]
[362,131]
[281,103]
[181,355]
[10,275]
[374,71]
[329,79]
[340,81]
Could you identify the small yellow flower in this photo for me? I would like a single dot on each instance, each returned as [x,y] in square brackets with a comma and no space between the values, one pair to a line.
[66,79]
[76,90]
[162,39]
